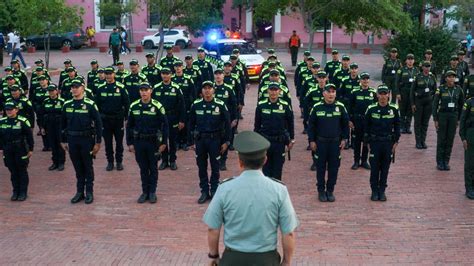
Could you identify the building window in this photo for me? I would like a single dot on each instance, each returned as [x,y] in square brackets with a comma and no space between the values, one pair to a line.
[320,25]
[105,23]
[153,17]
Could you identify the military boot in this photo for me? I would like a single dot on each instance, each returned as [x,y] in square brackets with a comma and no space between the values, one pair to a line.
[322,196]
[330,196]
[78,197]
[110,167]
[375,196]
[89,198]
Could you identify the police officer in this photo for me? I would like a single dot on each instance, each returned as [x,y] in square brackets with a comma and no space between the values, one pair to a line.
[37,96]
[147,131]
[225,93]
[447,104]
[428,56]
[25,107]
[342,73]
[186,84]
[8,83]
[421,99]
[274,120]
[469,86]
[359,101]
[20,74]
[34,82]
[39,63]
[92,74]
[152,70]
[233,80]
[389,72]
[466,131]
[169,59]
[81,136]
[113,103]
[100,80]
[16,141]
[328,131]
[65,87]
[275,78]
[169,94]
[305,73]
[204,65]
[209,124]
[51,109]
[232,202]
[194,72]
[64,73]
[453,66]
[243,78]
[265,79]
[351,83]
[403,82]
[333,65]
[463,65]
[133,80]
[382,132]
[121,72]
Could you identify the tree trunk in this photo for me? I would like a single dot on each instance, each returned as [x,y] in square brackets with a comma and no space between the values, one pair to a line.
[311,39]
[352,43]
[48,50]
[324,58]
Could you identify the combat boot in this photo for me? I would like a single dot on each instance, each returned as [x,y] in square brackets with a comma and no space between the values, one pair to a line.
[366,165]
[14,196]
[119,166]
[382,196]
[446,166]
[322,196]
[143,197]
[222,166]
[173,166]
[204,197]
[330,196]
[60,167]
[313,167]
[152,198]
[89,198]
[110,167]
[419,146]
[355,166]
[375,196]
[163,166]
[470,194]
[78,197]
[22,197]
[53,167]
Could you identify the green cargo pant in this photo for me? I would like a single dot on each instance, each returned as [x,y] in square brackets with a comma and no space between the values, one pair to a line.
[422,118]
[447,122]
[469,160]
[390,83]
[405,108]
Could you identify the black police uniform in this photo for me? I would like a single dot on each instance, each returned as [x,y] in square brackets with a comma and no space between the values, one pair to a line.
[210,127]
[37,96]
[66,87]
[331,67]
[16,140]
[459,80]
[226,94]
[120,75]
[152,73]
[313,96]
[96,84]
[348,85]
[51,122]
[25,109]
[207,73]
[132,83]
[81,129]
[147,129]
[275,122]
[233,80]
[195,73]
[284,93]
[328,124]
[21,75]
[172,99]
[339,76]
[469,86]
[389,72]
[92,75]
[113,103]
[382,130]
[186,84]
[168,61]
[359,101]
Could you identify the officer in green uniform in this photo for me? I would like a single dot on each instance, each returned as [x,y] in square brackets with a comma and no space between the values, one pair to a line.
[301,64]
[133,80]
[382,132]
[310,81]
[34,82]
[25,107]
[20,74]
[152,70]
[403,82]
[237,205]
[121,72]
[64,73]
[463,65]
[342,73]
[40,63]
[207,73]
[421,100]
[99,81]
[351,83]
[453,66]
[284,91]
[193,71]
[67,83]
[429,57]
[169,59]
[466,131]
[332,65]
[389,72]
[447,104]
[92,74]
[469,86]
[37,96]
[16,143]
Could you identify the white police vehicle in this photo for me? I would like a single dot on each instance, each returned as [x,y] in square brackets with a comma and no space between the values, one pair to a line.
[221,49]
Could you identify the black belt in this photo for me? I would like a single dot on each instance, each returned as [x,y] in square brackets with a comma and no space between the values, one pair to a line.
[323,139]
[381,138]
[447,110]
[210,135]
[278,138]
[86,133]
[234,250]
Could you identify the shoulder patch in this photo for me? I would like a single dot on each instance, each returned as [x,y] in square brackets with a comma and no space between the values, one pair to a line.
[89,101]
[156,103]
[218,101]
[283,102]
[394,106]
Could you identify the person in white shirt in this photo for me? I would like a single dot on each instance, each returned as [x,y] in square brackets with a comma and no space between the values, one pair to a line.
[17,49]
[10,36]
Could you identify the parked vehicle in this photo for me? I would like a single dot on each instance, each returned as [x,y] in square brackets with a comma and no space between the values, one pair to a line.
[176,37]
[74,39]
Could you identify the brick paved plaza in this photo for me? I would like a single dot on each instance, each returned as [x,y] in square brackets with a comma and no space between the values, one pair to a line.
[426,220]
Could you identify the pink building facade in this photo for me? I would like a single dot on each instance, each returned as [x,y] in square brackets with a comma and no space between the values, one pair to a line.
[142,24]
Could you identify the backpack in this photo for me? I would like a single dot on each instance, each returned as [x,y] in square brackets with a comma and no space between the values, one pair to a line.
[115,39]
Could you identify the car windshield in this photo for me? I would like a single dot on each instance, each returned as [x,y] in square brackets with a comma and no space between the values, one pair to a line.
[244,48]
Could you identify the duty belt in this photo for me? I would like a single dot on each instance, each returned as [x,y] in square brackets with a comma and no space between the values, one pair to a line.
[381,138]
[150,137]
[323,139]
[84,133]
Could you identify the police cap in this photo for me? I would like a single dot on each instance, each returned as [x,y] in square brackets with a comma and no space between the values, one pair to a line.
[188,57]
[94,62]
[227,63]
[67,61]
[307,53]
[272,64]
[274,86]
[382,89]
[119,63]
[426,64]
[39,69]
[235,51]
[14,87]
[70,69]
[218,71]
[100,70]
[394,50]
[10,77]
[322,74]
[454,57]
[316,65]
[346,57]
[133,62]
[272,56]
[77,83]
[251,145]
[52,87]
[200,50]
[208,83]
[233,57]
[150,55]
[165,70]
[365,75]
[14,61]
[428,51]
[178,63]
[39,61]
[310,58]
[168,46]
[10,105]
[144,86]
[271,51]
[41,77]
[109,70]
[8,68]
[354,65]
[335,52]
[410,56]
[329,87]
[461,52]
[450,73]
[274,72]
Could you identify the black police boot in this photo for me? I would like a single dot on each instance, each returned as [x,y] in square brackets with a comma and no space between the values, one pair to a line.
[119,166]
[382,196]
[143,197]
[366,165]
[330,196]
[173,166]
[423,145]
[185,147]
[322,196]
[419,145]
[446,166]
[78,197]
[60,167]
[355,166]
[14,196]
[110,167]
[222,166]
[22,196]
[470,194]
[152,198]
[204,197]
[440,166]
[163,165]
[89,198]
[53,167]
[313,167]
[375,196]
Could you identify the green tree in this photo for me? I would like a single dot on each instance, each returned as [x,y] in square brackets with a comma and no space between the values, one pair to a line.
[118,9]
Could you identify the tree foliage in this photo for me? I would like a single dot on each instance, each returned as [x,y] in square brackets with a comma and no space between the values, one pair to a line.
[118,9]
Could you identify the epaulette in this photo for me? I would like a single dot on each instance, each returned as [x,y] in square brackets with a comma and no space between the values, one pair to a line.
[158,84]
[372,89]
[135,103]
[198,100]
[101,85]
[394,105]
[119,84]
[283,102]
[174,84]
[89,101]
[339,103]
[372,106]
[228,86]
[317,104]
[278,181]
[156,103]
[226,180]
[164,57]
[141,75]
[262,102]
[21,118]
[3,118]
[68,101]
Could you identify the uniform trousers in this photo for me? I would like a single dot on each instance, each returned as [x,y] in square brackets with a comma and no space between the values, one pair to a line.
[53,131]
[328,158]
[405,108]
[380,159]
[80,152]
[469,160]
[113,129]
[358,137]
[275,160]
[147,156]
[16,161]
[169,154]
[208,148]
[422,117]
[231,257]
[447,122]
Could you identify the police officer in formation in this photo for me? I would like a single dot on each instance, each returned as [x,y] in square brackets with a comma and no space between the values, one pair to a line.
[93,73]
[169,59]
[133,80]
[466,132]
[343,72]
[20,74]
[421,100]
[100,80]
[360,99]
[447,105]
[328,131]
[333,64]
[403,82]
[147,132]
[389,72]
[16,143]
[82,133]
[274,120]
[169,94]
[25,107]
[469,86]
[121,72]
[152,70]
[113,103]
[193,71]
[382,132]
[51,110]
[209,123]
[454,67]
[204,65]
[37,95]
[64,73]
